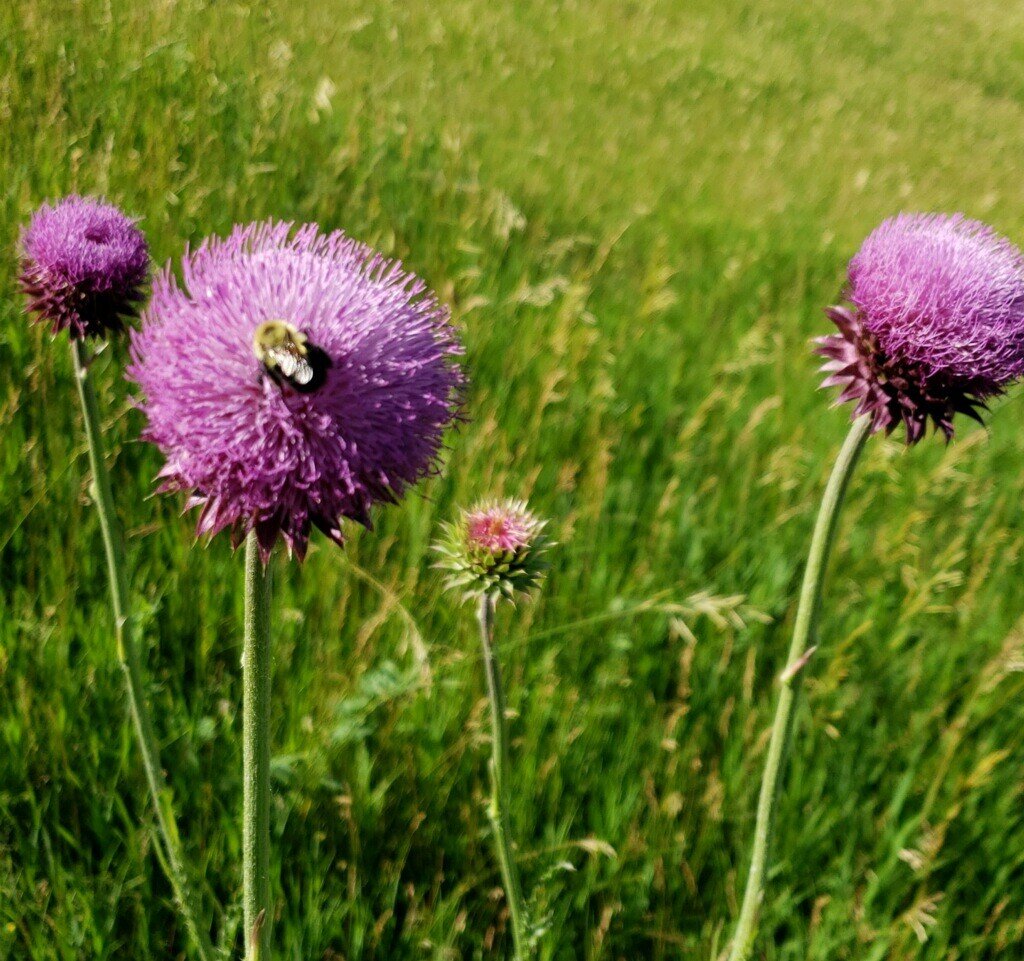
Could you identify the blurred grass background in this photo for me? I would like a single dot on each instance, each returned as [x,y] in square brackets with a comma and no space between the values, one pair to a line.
[637,210]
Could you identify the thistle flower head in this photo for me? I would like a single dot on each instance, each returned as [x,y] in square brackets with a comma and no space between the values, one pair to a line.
[293,379]
[496,549]
[83,266]
[935,325]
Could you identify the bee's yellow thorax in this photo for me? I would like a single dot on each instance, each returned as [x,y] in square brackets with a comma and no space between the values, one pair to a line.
[277,335]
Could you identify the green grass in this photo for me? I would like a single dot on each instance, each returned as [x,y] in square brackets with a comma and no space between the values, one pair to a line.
[636,210]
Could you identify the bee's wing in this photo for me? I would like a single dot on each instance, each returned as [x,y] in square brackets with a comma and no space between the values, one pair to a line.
[293,365]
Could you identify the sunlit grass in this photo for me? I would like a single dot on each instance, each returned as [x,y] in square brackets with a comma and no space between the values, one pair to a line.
[636,211]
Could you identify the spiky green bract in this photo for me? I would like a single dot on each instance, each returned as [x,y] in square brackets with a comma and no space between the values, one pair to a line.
[495,549]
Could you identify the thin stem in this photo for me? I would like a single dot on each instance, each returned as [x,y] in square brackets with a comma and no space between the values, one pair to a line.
[497,809]
[799,650]
[256,669]
[130,659]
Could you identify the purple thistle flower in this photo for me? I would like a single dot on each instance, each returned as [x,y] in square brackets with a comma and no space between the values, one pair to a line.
[936,325]
[292,380]
[83,265]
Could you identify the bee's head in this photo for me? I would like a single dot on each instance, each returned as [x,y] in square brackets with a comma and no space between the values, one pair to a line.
[273,336]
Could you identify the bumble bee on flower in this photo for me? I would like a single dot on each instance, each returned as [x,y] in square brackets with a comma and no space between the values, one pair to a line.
[496,549]
[289,358]
[293,379]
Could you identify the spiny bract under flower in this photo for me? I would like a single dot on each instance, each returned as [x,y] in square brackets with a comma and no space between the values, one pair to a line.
[83,266]
[936,325]
[226,360]
[496,549]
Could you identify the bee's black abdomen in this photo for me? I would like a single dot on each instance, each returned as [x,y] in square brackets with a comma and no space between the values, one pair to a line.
[319,363]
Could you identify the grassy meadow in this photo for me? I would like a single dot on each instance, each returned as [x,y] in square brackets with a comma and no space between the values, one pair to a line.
[636,209]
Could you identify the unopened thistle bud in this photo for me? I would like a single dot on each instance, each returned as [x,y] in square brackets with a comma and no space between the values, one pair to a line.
[496,549]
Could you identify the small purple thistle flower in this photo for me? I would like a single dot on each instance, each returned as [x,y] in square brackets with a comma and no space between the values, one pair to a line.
[83,266]
[936,325]
[292,380]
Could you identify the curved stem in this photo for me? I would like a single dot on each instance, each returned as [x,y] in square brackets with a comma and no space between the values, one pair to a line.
[256,669]
[799,651]
[130,659]
[497,809]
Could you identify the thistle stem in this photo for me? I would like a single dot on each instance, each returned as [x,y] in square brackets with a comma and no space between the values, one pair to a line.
[497,809]
[803,634]
[256,669]
[130,658]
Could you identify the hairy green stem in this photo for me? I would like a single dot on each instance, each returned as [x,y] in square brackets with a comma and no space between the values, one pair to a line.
[130,658]
[256,670]
[799,650]
[497,809]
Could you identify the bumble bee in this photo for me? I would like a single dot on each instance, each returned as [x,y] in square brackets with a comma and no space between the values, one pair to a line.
[289,358]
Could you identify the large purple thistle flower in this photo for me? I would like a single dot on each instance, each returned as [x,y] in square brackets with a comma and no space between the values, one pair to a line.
[293,380]
[936,325]
[83,266]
